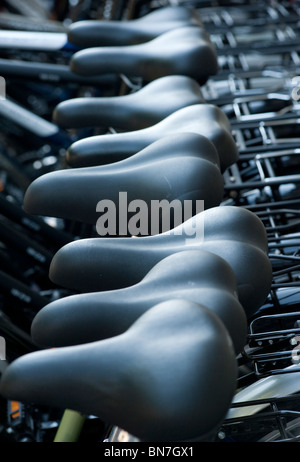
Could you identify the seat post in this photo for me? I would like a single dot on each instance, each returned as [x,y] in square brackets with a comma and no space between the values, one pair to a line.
[70,427]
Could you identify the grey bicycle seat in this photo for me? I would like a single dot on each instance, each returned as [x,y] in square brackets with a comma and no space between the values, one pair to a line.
[235,234]
[205,119]
[196,275]
[159,380]
[91,33]
[184,51]
[134,111]
[181,167]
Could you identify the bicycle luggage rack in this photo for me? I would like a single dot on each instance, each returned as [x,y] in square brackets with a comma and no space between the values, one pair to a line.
[277,421]
[252,13]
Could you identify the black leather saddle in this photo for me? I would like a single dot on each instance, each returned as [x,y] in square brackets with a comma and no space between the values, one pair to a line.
[235,234]
[158,380]
[182,167]
[183,51]
[205,119]
[93,33]
[196,275]
[134,111]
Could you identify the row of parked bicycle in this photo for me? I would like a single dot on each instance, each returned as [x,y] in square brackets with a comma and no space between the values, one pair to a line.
[138,318]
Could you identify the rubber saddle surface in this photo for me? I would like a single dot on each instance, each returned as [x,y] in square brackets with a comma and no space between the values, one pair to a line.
[134,111]
[235,234]
[205,119]
[178,168]
[127,381]
[195,275]
[183,51]
[93,33]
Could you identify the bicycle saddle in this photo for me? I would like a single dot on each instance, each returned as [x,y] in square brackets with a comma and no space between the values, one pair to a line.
[91,33]
[184,51]
[196,275]
[179,168]
[206,119]
[158,380]
[235,234]
[134,111]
